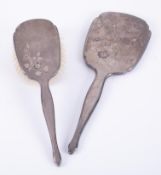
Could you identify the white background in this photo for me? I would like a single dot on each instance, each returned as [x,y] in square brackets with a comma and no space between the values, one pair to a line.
[123,136]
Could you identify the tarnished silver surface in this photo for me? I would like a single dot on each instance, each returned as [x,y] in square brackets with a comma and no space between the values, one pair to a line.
[37,48]
[114,44]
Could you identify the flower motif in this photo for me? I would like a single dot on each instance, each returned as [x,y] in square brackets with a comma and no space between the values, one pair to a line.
[34,63]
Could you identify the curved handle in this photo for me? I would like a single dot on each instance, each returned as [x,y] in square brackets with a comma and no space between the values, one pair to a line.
[90,103]
[49,113]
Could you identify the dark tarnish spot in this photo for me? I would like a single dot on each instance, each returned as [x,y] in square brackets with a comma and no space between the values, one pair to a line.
[103,54]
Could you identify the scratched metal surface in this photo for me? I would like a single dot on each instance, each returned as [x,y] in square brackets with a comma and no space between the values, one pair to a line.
[37,48]
[116,42]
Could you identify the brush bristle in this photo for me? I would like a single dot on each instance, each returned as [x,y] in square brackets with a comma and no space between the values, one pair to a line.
[19,70]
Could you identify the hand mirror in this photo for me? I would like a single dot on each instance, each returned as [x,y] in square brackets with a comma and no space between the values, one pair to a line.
[114,45]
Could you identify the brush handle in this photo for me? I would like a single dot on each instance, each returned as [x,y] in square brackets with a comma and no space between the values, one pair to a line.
[90,103]
[49,113]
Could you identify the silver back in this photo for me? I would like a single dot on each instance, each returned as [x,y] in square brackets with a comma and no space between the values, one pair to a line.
[37,48]
[115,42]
